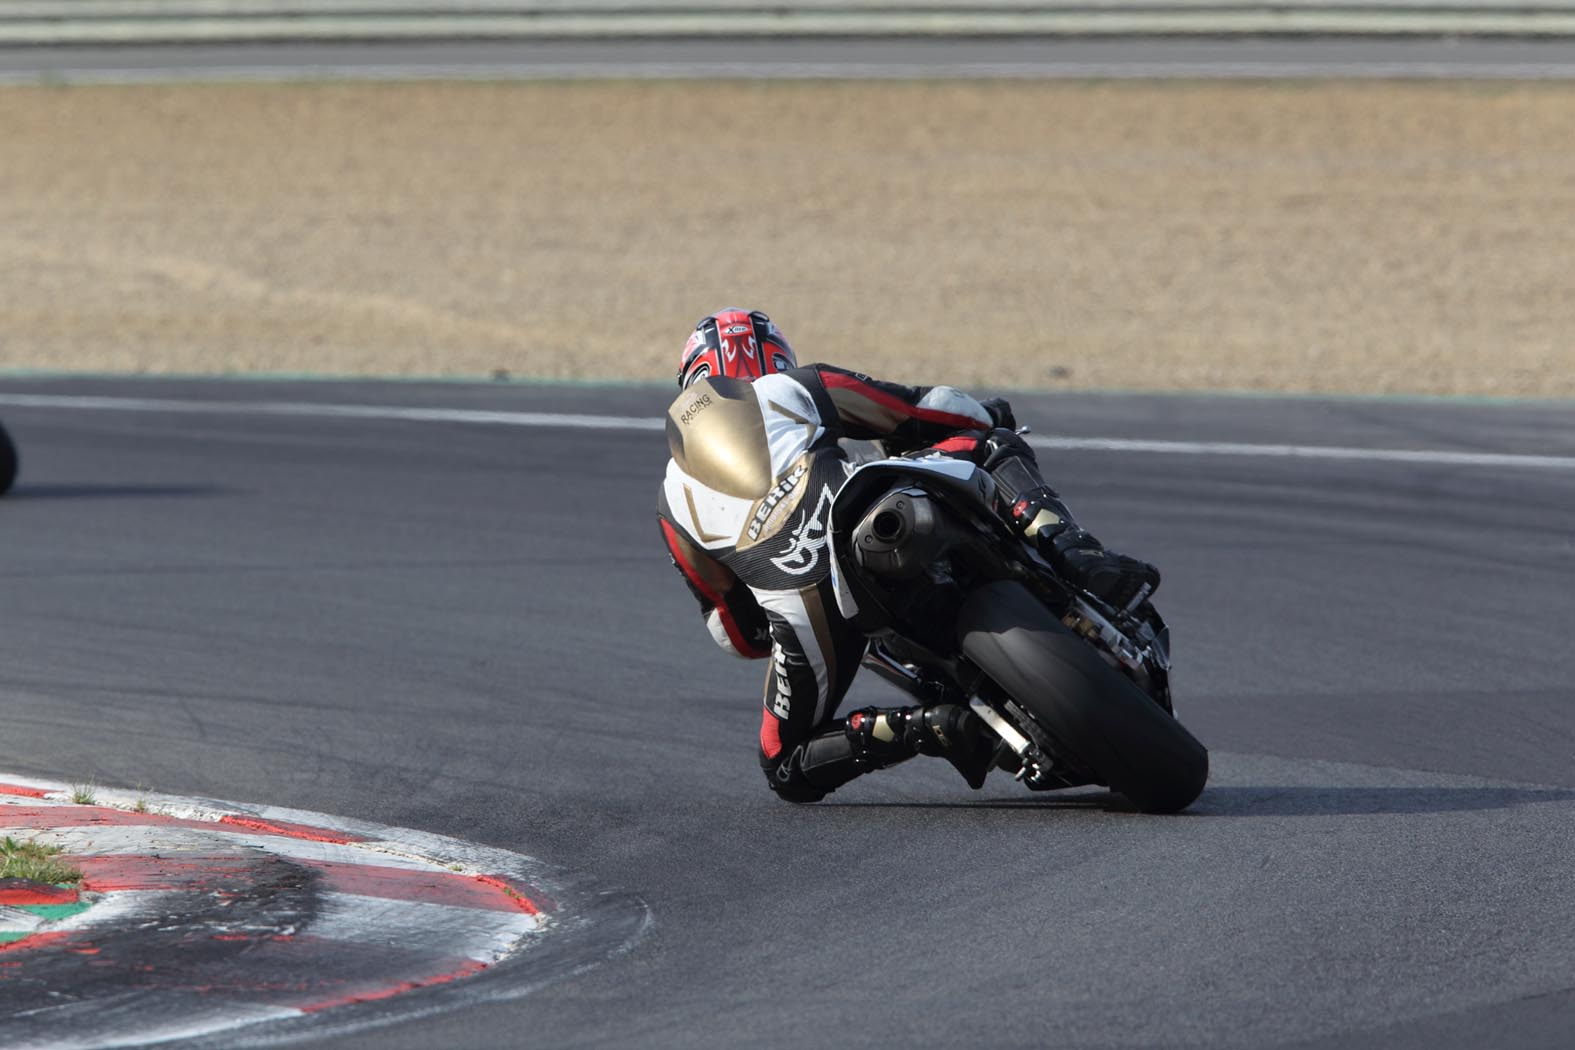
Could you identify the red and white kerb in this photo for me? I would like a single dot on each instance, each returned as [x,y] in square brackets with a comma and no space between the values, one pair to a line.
[318,913]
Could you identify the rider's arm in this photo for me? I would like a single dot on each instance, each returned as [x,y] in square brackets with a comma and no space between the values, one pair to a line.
[905,417]
[734,618]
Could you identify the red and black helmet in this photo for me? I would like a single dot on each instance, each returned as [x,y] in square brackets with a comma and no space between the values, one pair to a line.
[743,344]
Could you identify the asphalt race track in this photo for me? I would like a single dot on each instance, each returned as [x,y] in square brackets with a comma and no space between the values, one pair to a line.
[472,630]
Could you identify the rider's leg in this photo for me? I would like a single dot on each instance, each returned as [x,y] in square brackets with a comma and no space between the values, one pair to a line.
[805,751]
[1041,515]
[814,655]
[873,738]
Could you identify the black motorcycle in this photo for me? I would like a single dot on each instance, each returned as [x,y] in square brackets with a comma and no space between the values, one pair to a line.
[962,609]
[7,461]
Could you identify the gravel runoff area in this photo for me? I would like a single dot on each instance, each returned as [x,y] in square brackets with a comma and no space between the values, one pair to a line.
[1332,237]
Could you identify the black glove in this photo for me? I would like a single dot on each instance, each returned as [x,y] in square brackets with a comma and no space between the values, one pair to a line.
[1000,411]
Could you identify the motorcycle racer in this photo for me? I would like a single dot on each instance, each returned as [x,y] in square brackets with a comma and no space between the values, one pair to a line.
[757,454]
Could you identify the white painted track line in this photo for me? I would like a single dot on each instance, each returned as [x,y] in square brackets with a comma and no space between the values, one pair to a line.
[307,408]
[1435,457]
[1385,455]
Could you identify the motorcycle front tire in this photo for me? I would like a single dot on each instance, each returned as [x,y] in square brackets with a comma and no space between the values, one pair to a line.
[1098,714]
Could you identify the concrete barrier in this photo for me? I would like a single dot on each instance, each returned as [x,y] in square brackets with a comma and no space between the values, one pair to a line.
[215,21]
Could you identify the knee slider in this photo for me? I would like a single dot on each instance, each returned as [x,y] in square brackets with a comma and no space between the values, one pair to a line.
[787,781]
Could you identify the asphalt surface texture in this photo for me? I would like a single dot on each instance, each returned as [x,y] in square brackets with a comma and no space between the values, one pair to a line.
[788,58]
[474,630]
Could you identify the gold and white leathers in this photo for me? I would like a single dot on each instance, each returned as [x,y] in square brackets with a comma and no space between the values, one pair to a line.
[746,499]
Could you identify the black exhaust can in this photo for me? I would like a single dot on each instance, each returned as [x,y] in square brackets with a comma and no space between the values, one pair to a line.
[900,535]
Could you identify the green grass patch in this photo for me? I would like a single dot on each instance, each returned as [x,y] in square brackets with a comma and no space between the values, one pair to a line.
[83,795]
[34,861]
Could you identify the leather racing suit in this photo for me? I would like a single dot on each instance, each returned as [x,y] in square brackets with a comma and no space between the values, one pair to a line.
[744,511]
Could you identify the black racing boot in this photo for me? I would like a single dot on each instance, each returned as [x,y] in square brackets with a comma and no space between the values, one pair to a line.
[956,734]
[1082,560]
[873,738]
[948,731]
[1040,515]
[1114,578]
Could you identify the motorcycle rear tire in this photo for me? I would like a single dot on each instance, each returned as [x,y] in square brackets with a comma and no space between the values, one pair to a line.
[1086,705]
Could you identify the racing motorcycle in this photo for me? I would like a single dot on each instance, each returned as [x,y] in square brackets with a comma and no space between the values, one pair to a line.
[7,461]
[961,608]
